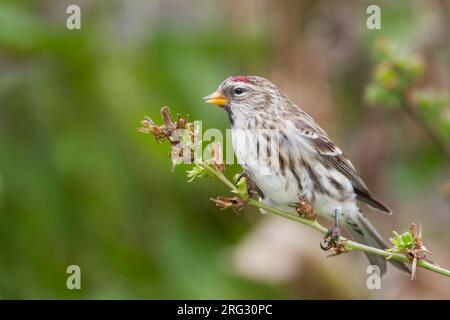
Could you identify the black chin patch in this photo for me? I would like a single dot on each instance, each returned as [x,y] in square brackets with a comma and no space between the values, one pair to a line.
[230,114]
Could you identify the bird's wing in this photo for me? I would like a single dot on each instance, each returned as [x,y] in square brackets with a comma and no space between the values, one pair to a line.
[310,131]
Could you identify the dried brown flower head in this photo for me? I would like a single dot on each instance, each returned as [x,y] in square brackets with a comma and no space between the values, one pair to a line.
[235,203]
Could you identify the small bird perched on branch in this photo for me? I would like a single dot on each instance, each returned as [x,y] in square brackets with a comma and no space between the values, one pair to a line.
[291,159]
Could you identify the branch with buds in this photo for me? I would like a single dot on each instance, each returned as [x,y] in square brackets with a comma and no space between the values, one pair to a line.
[408,247]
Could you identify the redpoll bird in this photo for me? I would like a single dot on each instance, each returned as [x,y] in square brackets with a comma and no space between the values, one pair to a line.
[290,158]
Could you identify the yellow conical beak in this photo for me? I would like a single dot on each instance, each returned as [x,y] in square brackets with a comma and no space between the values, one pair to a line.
[217,98]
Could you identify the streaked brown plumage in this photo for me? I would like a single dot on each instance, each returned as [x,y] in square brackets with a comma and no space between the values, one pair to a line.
[290,157]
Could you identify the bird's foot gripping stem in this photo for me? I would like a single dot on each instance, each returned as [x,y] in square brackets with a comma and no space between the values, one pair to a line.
[252,188]
[332,239]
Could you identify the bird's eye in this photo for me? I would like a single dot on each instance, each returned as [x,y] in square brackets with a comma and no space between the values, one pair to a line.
[239,90]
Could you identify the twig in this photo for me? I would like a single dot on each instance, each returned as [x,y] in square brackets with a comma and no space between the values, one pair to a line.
[350,245]
[238,202]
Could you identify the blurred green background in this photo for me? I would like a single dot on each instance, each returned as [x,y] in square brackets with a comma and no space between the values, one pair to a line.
[80,185]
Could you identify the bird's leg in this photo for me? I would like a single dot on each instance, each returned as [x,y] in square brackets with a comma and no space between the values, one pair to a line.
[332,237]
[252,188]
[305,209]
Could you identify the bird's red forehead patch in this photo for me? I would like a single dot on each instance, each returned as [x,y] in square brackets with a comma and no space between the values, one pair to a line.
[240,79]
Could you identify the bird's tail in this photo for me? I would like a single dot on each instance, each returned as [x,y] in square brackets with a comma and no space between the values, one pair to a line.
[363,232]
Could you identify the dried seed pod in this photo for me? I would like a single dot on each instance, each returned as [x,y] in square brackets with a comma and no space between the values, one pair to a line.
[235,203]
[180,134]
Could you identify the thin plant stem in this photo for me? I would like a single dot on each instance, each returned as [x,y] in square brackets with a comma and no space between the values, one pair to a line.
[350,245]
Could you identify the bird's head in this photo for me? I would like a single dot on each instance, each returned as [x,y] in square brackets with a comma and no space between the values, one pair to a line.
[244,93]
